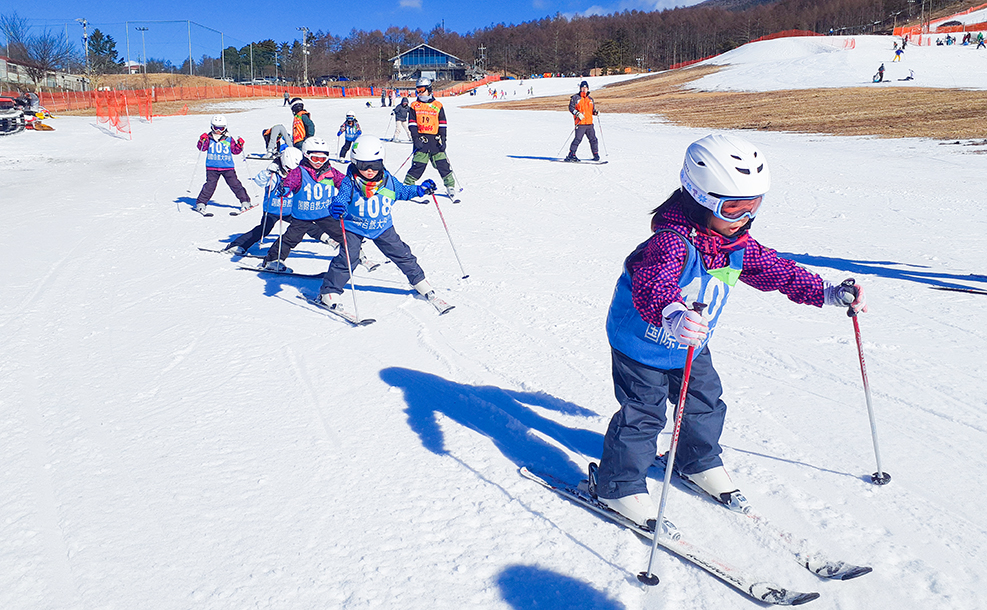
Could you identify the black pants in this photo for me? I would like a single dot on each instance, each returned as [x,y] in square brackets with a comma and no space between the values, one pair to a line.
[212,179]
[590,132]
[390,245]
[345,149]
[267,222]
[281,248]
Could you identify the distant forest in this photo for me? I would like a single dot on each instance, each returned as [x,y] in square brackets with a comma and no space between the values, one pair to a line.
[562,45]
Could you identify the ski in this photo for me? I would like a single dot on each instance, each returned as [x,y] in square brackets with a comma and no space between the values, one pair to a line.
[218,250]
[581,161]
[440,306]
[670,539]
[242,210]
[966,290]
[342,313]
[809,558]
[260,157]
[288,272]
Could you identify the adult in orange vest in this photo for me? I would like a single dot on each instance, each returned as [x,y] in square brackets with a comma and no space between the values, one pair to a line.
[427,124]
[302,126]
[583,109]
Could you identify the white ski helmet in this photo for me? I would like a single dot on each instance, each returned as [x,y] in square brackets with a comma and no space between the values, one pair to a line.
[367,153]
[425,96]
[290,158]
[312,146]
[218,121]
[350,115]
[721,168]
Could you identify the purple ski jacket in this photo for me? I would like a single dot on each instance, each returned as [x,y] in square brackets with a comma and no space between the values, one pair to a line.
[655,275]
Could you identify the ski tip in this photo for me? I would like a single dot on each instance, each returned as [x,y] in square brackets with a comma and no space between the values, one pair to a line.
[648,579]
[366,322]
[804,598]
[856,571]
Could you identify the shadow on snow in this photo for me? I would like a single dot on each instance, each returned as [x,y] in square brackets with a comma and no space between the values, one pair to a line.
[886,269]
[505,417]
[532,587]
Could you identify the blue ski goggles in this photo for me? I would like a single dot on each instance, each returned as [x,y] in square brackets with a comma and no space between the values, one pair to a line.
[730,209]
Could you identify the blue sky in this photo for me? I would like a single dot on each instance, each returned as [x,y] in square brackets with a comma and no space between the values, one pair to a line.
[252,20]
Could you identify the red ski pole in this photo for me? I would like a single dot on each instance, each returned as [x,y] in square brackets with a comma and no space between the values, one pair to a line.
[648,577]
[880,477]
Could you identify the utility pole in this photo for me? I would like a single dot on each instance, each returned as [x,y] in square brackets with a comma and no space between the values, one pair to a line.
[222,52]
[304,32]
[143,48]
[85,40]
[189,47]
[251,63]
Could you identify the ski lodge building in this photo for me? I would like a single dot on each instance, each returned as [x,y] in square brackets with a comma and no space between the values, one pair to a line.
[14,76]
[429,62]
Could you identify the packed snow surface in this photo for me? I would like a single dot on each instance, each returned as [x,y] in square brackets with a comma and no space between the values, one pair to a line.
[816,62]
[177,432]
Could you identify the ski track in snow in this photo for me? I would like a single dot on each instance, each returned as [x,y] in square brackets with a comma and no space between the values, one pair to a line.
[173,433]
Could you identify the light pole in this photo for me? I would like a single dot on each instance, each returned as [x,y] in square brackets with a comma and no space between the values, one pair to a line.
[85,40]
[143,48]
[304,32]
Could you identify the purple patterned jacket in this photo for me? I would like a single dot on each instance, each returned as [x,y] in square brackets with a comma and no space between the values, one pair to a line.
[656,274]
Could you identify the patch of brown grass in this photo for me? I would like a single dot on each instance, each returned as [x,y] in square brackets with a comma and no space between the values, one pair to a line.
[885,111]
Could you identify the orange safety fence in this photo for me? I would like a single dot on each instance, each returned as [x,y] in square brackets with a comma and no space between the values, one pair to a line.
[112,109]
[143,99]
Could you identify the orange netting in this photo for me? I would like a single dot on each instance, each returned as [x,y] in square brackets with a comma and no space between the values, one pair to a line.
[112,110]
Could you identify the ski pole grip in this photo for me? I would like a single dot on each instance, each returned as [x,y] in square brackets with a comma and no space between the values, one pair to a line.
[850,284]
[698,307]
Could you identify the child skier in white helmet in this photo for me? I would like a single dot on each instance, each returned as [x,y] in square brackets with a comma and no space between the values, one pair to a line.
[700,248]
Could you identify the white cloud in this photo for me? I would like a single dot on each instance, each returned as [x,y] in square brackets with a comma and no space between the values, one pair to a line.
[410,3]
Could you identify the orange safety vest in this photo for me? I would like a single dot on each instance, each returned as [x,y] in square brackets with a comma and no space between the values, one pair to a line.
[298,128]
[584,105]
[427,116]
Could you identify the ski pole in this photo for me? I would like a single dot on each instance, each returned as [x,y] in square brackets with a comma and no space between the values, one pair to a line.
[388,128]
[405,161]
[442,218]
[601,136]
[880,477]
[192,177]
[648,577]
[349,266]
[564,142]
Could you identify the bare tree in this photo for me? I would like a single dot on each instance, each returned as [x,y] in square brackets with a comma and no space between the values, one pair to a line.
[40,54]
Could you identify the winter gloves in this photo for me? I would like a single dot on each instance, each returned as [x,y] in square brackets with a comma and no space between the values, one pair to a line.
[337,209]
[426,188]
[686,326]
[848,294]
[203,144]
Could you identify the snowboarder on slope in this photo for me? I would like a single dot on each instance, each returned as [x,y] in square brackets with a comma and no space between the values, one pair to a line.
[700,247]
[219,162]
[364,203]
[427,124]
[583,109]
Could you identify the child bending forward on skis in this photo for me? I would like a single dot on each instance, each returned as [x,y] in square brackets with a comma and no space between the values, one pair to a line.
[364,204]
[700,247]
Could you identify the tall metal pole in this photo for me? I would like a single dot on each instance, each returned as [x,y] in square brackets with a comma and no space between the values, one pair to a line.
[251,63]
[222,52]
[143,48]
[126,28]
[85,40]
[189,47]
[304,32]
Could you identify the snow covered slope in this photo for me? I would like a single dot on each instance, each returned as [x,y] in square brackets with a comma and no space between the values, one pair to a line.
[178,433]
[832,61]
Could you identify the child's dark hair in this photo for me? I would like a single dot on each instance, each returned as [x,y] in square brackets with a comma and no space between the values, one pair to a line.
[690,208]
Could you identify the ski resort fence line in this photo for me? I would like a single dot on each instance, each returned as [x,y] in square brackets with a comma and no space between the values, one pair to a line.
[84,100]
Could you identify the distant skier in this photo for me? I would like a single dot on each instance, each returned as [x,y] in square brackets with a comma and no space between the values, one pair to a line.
[980,41]
[287,98]
[350,130]
[897,55]
[364,201]
[220,147]
[583,109]
[700,248]
[401,112]
[427,124]
[879,77]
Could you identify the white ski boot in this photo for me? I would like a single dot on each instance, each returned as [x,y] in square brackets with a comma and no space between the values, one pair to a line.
[277,267]
[639,508]
[716,483]
[425,289]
